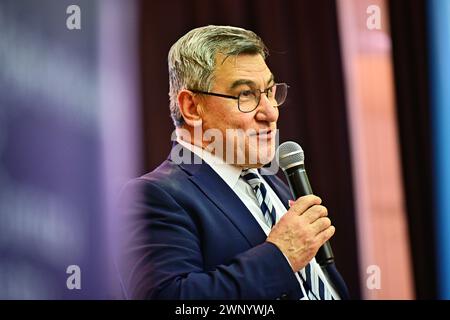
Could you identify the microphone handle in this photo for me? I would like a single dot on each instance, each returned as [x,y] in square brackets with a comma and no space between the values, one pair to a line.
[300,186]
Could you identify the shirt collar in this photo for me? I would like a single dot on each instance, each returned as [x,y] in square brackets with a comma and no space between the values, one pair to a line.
[229,173]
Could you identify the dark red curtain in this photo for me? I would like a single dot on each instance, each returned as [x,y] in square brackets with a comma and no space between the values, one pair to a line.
[303,40]
[409,38]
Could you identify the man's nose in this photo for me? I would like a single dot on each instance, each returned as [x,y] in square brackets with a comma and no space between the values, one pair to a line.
[267,111]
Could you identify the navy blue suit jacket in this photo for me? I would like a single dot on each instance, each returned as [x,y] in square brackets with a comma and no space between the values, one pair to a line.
[190,237]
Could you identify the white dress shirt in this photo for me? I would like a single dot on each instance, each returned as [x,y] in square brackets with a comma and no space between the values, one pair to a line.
[232,177]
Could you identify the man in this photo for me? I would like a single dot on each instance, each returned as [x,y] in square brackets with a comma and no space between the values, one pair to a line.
[207,225]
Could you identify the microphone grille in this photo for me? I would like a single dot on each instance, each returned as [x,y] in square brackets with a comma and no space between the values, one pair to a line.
[289,153]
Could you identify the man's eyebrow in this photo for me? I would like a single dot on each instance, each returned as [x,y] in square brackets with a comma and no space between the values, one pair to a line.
[240,82]
[248,82]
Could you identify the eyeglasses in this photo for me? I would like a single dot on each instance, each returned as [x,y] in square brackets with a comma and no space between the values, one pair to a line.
[248,100]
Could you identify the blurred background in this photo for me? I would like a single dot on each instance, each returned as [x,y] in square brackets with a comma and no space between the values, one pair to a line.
[84,108]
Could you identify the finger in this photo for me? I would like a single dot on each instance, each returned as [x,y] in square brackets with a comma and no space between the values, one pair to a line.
[304,203]
[315,212]
[320,225]
[326,234]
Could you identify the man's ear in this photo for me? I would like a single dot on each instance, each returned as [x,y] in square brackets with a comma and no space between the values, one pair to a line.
[189,107]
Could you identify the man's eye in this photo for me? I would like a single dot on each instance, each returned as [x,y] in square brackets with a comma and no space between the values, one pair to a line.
[247,93]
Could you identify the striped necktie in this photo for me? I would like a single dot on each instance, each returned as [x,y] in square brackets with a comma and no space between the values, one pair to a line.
[263,198]
[316,288]
[313,284]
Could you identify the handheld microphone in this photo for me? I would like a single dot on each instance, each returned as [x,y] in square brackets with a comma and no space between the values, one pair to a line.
[291,160]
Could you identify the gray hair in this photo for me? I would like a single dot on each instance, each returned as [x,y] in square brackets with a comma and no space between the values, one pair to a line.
[192,59]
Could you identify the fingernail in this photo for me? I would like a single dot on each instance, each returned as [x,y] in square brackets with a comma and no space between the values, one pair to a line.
[290,203]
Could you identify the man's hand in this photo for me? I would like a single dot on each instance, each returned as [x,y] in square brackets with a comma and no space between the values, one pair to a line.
[302,231]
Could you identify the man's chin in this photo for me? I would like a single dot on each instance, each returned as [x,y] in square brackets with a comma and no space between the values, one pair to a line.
[267,156]
[261,161]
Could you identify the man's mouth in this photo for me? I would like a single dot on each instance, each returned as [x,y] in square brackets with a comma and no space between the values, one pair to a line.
[265,133]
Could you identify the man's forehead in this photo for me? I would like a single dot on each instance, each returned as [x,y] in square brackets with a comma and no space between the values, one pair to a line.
[243,65]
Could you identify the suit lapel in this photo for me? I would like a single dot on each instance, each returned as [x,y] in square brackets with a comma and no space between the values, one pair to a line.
[215,189]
